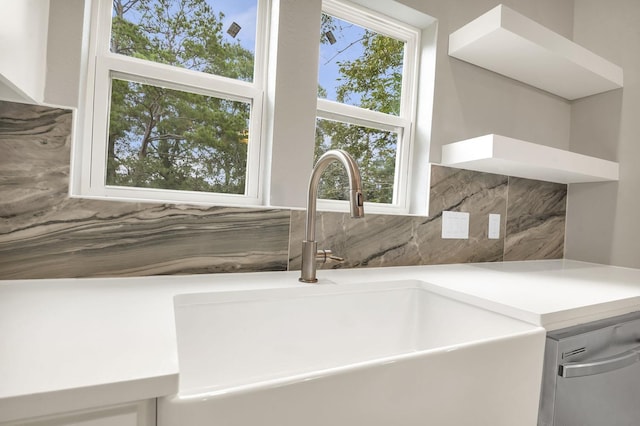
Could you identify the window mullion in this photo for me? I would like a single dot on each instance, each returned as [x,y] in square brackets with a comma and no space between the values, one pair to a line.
[349,113]
[410,78]
[99,129]
[170,195]
[255,150]
[177,78]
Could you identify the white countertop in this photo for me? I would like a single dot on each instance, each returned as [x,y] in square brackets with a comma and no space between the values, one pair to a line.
[79,343]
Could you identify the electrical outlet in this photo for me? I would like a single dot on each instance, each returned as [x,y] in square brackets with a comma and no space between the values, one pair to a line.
[494,226]
[455,225]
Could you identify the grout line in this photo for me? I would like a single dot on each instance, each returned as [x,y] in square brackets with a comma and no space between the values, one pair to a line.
[506,217]
[566,216]
[289,240]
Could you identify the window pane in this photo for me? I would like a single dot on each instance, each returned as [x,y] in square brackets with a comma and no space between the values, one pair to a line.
[168,139]
[375,152]
[359,67]
[216,37]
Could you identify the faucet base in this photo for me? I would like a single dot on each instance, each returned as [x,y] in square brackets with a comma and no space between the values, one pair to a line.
[308,269]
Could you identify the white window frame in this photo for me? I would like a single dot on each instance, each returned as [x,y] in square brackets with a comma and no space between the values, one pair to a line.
[403,124]
[284,101]
[104,65]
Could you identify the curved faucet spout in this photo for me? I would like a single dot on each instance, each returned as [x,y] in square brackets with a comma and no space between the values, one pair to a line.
[356,203]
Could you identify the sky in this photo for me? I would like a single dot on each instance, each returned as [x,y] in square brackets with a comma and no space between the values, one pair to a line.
[346,34]
[244,13]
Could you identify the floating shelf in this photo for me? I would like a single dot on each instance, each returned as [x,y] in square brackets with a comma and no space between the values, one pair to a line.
[513,157]
[513,45]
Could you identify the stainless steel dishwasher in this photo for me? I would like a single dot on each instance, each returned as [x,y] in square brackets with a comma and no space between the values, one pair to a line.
[591,374]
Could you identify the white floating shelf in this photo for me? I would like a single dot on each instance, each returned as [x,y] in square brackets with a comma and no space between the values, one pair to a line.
[513,157]
[513,45]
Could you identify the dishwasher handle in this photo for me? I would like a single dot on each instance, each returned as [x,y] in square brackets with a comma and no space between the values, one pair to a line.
[601,365]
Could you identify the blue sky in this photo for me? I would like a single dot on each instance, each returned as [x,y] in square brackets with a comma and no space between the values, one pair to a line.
[346,34]
[243,12]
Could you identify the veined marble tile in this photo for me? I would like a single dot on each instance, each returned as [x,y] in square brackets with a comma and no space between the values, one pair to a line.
[85,238]
[45,234]
[479,194]
[384,240]
[34,165]
[536,220]
[375,240]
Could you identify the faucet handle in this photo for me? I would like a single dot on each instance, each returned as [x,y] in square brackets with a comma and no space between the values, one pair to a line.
[327,256]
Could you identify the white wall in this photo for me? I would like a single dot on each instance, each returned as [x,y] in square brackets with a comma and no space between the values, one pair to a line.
[23,49]
[470,101]
[292,95]
[603,219]
[40,51]
[602,224]
[63,52]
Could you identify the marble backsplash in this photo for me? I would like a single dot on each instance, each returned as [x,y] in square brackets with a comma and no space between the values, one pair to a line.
[44,233]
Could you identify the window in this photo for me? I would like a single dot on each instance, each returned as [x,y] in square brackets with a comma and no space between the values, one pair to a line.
[366,105]
[216,101]
[178,100]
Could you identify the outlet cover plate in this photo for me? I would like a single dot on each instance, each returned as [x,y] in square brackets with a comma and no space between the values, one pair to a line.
[455,225]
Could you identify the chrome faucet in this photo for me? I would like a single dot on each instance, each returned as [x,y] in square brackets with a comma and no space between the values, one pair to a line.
[356,201]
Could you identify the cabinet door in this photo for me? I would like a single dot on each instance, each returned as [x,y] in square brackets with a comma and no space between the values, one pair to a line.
[141,413]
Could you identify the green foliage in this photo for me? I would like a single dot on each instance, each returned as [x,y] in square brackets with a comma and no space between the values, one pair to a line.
[374,151]
[374,79]
[376,76]
[169,139]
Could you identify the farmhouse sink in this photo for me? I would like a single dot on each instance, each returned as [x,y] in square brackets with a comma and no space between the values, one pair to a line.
[393,353]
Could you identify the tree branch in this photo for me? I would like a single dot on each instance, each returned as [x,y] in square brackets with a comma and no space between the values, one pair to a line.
[339,52]
[166,137]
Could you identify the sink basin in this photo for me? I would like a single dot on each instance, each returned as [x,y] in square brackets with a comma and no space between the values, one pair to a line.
[394,353]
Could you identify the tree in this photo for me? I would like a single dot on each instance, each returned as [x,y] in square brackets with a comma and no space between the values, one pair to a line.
[373,81]
[171,139]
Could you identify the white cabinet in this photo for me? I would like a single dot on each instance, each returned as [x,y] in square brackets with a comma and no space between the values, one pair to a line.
[141,413]
[513,45]
[513,157]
